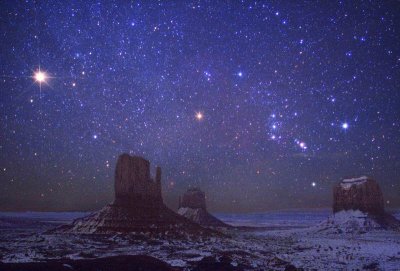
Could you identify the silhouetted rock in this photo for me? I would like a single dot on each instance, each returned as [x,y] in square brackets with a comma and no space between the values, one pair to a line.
[133,184]
[121,263]
[277,262]
[361,193]
[371,267]
[291,267]
[138,205]
[134,188]
[192,205]
[193,198]
[222,264]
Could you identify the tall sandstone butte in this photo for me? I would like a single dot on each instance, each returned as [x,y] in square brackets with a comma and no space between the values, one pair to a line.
[138,205]
[361,193]
[193,198]
[192,205]
[133,184]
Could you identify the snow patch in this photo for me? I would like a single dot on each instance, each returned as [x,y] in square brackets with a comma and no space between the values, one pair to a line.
[177,263]
[350,221]
[347,183]
[192,214]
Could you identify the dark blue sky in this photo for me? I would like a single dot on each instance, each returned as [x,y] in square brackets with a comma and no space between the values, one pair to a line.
[293,97]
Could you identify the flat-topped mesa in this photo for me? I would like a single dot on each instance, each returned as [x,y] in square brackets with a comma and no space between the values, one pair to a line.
[192,205]
[193,198]
[358,208]
[133,184]
[361,193]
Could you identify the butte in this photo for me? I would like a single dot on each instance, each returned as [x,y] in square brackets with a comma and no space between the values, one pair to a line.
[192,205]
[363,194]
[138,206]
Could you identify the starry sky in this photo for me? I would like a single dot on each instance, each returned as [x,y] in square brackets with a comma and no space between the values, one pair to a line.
[264,105]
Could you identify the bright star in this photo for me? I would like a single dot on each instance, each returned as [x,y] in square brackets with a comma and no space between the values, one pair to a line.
[345,125]
[199,116]
[313,184]
[301,144]
[40,76]
[240,74]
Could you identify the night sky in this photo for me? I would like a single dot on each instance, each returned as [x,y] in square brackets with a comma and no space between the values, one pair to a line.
[264,105]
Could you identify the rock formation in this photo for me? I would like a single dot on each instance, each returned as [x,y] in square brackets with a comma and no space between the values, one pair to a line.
[358,206]
[138,205]
[193,198]
[361,193]
[192,205]
[133,184]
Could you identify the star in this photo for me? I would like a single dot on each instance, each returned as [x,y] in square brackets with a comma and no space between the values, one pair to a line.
[207,75]
[40,76]
[313,184]
[199,116]
[301,144]
[147,89]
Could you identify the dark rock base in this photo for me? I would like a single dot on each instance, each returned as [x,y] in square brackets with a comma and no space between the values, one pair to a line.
[120,263]
[202,217]
[121,219]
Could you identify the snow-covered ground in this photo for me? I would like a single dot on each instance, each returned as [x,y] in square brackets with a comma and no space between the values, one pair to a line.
[268,242]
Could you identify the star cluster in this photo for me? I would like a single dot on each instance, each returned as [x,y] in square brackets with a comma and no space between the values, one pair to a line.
[264,105]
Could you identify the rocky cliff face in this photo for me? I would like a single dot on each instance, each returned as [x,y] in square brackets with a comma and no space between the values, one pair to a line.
[133,184]
[138,205]
[192,205]
[361,193]
[193,198]
[358,207]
